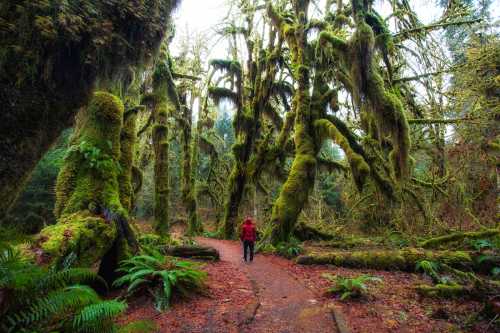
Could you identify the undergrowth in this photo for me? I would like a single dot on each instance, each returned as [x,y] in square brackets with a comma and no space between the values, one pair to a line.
[161,276]
[38,299]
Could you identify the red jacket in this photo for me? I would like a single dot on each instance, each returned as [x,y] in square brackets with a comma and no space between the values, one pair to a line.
[248,232]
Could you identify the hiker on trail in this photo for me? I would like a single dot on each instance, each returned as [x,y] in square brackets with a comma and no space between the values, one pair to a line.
[248,237]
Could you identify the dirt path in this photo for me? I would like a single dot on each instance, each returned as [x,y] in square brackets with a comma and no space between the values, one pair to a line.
[284,304]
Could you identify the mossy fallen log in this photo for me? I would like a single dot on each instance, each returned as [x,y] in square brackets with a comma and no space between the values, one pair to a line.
[480,289]
[193,251]
[458,236]
[404,260]
[443,290]
[305,232]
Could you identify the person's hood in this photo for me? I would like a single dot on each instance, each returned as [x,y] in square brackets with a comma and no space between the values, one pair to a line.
[248,221]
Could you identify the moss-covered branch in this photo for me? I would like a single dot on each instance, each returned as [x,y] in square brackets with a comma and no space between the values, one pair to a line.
[458,237]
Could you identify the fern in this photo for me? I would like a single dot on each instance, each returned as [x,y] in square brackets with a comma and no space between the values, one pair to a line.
[289,250]
[162,276]
[350,287]
[42,300]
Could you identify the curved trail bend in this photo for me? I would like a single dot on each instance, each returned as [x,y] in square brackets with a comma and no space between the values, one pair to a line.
[284,304]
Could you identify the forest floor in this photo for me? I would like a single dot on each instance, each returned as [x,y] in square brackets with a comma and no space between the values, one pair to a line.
[274,294]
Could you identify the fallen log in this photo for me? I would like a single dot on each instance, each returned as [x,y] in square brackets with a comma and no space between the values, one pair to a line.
[193,251]
[458,236]
[306,232]
[403,260]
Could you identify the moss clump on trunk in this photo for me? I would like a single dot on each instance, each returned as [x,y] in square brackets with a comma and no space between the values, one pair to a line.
[89,176]
[403,260]
[88,236]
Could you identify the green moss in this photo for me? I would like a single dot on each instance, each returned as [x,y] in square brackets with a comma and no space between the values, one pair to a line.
[359,168]
[442,290]
[89,237]
[164,104]
[89,176]
[337,43]
[293,197]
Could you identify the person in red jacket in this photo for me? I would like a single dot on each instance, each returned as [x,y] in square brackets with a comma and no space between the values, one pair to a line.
[248,236]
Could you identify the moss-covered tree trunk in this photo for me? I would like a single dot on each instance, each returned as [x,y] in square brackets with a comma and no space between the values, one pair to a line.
[295,192]
[189,162]
[92,222]
[127,147]
[161,110]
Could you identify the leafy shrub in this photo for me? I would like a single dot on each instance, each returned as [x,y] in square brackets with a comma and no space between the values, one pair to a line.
[350,287]
[162,276]
[289,250]
[46,300]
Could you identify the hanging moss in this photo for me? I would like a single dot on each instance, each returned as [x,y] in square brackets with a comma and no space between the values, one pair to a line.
[52,54]
[385,105]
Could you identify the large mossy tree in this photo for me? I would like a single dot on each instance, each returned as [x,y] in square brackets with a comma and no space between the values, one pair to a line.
[53,53]
[316,65]
[251,89]
[91,206]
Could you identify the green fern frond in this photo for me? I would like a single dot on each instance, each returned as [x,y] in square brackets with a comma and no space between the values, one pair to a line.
[98,317]
[70,276]
[57,302]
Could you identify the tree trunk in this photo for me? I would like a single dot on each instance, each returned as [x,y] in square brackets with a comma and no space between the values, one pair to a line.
[188,175]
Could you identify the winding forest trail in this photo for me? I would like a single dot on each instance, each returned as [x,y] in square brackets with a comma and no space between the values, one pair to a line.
[284,305]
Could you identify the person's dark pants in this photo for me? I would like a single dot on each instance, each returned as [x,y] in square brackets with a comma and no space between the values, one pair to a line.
[248,245]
